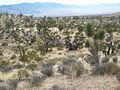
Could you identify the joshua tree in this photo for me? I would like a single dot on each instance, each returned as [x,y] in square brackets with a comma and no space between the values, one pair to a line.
[9,24]
[94,51]
[41,46]
[23,53]
[79,39]
[99,34]
[80,28]
[49,38]
[73,43]
[109,43]
[29,22]
[89,30]
[109,40]
[21,48]
[61,26]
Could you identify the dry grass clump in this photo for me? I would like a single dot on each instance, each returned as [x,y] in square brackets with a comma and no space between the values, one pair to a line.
[5,76]
[72,67]
[109,69]
[21,73]
[9,75]
[32,66]
[54,61]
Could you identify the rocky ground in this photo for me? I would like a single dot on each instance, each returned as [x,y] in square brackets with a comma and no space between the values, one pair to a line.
[78,83]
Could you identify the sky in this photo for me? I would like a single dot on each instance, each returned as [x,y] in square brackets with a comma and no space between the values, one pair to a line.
[69,2]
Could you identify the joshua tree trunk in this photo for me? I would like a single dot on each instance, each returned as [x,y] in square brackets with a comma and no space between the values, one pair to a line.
[94,51]
[109,48]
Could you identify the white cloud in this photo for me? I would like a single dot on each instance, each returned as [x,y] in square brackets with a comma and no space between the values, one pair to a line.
[78,2]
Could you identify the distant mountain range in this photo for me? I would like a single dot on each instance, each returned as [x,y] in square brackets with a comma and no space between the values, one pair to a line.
[56,9]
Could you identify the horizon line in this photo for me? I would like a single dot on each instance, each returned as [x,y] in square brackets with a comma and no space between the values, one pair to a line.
[60,3]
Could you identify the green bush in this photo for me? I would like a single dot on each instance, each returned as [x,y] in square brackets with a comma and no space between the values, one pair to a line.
[99,34]
[4,63]
[89,30]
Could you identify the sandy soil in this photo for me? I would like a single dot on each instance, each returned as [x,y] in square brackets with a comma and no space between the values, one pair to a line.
[79,83]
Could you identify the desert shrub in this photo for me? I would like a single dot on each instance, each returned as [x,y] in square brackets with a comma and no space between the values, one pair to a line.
[60,47]
[39,58]
[91,59]
[32,66]
[13,56]
[5,66]
[41,47]
[105,59]
[15,49]
[99,34]
[27,56]
[115,59]
[80,69]
[21,73]
[10,84]
[18,65]
[72,67]
[4,44]
[52,61]
[32,55]
[72,56]
[118,46]
[1,52]
[23,54]
[4,63]
[83,55]
[89,30]
[57,87]
[47,69]
[109,69]
[87,43]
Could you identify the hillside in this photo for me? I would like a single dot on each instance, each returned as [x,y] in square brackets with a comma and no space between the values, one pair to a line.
[59,53]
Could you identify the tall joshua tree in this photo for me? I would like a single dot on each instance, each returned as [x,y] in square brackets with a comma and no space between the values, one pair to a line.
[89,30]
[94,51]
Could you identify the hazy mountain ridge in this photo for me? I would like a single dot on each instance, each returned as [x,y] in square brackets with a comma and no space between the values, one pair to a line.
[56,9]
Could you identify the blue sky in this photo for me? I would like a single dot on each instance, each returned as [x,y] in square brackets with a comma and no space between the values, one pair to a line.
[70,2]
